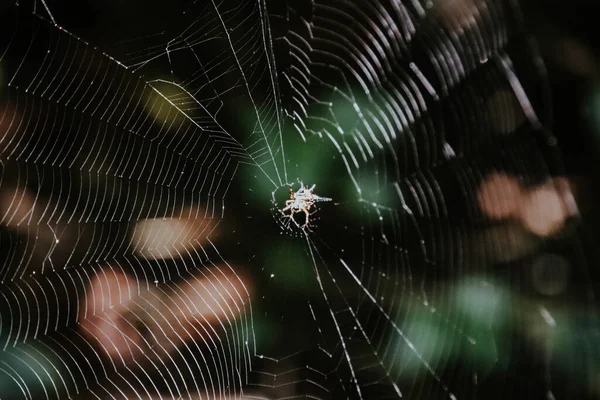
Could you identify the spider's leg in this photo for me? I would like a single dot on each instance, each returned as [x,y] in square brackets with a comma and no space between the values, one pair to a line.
[307,214]
[287,207]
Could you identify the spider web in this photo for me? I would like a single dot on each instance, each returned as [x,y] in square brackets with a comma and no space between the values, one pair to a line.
[202,117]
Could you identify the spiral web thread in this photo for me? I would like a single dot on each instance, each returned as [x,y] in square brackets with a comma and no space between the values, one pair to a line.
[413,102]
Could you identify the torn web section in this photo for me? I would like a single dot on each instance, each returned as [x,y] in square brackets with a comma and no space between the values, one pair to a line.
[406,98]
[109,193]
[220,54]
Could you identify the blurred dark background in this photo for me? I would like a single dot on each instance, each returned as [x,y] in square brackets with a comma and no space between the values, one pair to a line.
[568,38]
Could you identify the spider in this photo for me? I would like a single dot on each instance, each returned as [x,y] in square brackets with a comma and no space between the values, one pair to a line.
[302,200]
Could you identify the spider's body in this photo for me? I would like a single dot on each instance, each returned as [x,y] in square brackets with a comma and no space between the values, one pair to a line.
[302,200]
